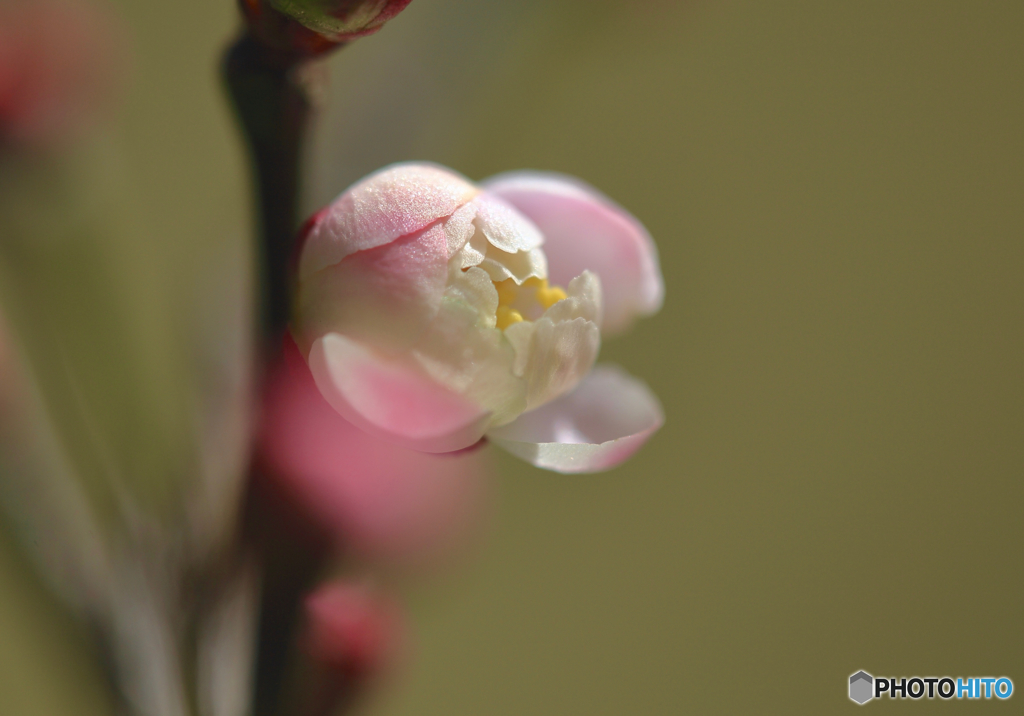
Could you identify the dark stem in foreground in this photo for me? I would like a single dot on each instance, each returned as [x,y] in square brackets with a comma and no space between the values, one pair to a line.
[273,104]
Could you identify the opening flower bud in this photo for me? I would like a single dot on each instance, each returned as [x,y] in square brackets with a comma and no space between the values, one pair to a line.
[312,27]
[430,316]
[340,20]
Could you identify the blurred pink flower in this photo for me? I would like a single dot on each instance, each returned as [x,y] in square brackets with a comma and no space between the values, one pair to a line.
[353,630]
[427,314]
[382,501]
[57,68]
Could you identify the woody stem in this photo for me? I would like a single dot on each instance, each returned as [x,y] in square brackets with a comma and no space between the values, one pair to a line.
[272,102]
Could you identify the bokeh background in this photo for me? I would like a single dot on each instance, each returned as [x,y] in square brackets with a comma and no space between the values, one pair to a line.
[837,193]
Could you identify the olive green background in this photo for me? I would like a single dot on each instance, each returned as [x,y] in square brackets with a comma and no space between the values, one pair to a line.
[837,193]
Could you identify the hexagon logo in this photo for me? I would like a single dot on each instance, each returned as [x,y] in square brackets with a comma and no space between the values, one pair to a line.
[861,687]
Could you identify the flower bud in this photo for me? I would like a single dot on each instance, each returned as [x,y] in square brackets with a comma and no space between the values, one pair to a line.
[312,27]
[57,68]
[353,630]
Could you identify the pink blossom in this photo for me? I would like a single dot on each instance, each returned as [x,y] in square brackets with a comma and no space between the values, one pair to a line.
[433,312]
[379,500]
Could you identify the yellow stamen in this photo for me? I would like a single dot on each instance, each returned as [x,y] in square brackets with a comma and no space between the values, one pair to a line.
[507,316]
[535,301]
[507,291]
[548,297]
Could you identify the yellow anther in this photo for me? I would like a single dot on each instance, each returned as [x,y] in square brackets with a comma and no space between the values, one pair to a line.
[507,291]
[507,316]
[538,297]
[548,297]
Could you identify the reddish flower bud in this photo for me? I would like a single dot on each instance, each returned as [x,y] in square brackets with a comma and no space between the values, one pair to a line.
[57,68]
[352,630]
[312,27]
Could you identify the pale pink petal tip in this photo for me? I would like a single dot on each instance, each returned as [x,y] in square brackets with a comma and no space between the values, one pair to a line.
[396,201]
[391,401]
[601,423]
[585,230]
[352,629]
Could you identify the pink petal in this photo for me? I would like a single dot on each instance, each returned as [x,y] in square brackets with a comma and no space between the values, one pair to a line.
[381,501]
[396,201]
[391,400]
[603,421]
[385,296]
[583,229]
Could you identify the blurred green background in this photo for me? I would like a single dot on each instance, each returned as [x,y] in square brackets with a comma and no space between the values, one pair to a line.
[837,192]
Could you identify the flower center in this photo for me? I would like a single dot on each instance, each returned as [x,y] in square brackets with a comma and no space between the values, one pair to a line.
[526,302]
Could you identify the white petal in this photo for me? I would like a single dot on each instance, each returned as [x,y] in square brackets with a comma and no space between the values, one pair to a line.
[593,428]
[459,228]
[391,400]
[472,252]
[519,335]
[474,288]
[518,266]
[560,355]
[464,352]
[583,300]
[506,228]
[554,352]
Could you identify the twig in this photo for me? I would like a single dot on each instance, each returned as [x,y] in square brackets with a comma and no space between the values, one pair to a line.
[273,103]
